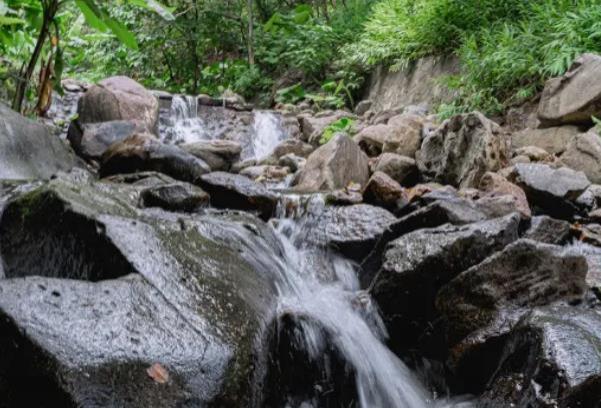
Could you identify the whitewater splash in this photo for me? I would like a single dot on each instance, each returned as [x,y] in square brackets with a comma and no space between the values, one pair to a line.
[267,134]
[185,125]
[321,289]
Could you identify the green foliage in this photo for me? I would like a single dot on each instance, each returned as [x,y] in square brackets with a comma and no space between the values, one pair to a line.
[342,125]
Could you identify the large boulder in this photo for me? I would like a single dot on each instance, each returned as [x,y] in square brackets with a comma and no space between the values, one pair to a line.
[29,150]
[401,168]
[551,191]
[553,140]
[584,154]
[574,97]
[238,192]
[418,264]
[218,154]
[551,359]
[495,185]
[119,98]
[142,152]
[91,140]
[130,307]
[462,149]
[383,191]
[177,196]
[524,275]
[312,127]
[548,230]
[333,166]
[401,135]
[293,146]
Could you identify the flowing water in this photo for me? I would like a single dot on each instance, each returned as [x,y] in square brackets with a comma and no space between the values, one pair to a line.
[321,289]
[184,124]
[267,134]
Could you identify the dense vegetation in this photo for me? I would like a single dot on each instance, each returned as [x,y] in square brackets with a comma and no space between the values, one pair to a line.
[288,51]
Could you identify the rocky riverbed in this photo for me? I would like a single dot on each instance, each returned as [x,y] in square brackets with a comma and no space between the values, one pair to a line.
[174,251]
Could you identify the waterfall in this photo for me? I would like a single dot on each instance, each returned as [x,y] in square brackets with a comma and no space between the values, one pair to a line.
[321,288]
[267,134]
[185,126]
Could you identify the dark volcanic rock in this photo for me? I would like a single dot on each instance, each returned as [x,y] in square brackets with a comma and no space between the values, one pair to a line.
[93,139]
[419,263]
[548,230]
[551,359]
[192,294]
[142,152]
[29,150]
[175,197]
[550,191]
[238,192]
[525,274]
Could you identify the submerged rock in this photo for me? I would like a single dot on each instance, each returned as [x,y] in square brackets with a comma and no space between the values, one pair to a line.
[238,192]
[574,97]
[333,166]
[462,149]
[142,152]
[418,264]
[29,150]
[156,310]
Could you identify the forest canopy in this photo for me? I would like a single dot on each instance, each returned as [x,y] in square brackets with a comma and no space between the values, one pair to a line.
[273,51]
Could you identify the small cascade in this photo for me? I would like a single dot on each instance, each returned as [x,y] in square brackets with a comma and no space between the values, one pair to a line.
[320,292]
[267,134]
[184,125]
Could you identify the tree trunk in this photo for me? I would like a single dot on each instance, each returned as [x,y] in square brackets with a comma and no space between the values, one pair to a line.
[251,38]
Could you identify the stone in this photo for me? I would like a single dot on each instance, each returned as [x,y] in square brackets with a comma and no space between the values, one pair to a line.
[371,138]
[533,153]
[418,264]
[362,107]
[218,154]
[265,172]
[91,140]
[591,198]
[494,185]
[523,275]
[312,127]
[142,152]
[406,137]
[548,230]
[95,300]
[293,146]
[233,191]
[383,191]
[402,169]
[584,154]
[175,197]
[241,165]
[293,162]
[551,358]
[549,190]
[29,150]
[462,149]
[574,97]
[333,166]
[554,140]
[119,98]
[520,159]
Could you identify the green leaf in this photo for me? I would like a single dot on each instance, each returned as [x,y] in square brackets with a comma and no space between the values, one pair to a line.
[4,21]
[122,33]
[92,15]
[157,7]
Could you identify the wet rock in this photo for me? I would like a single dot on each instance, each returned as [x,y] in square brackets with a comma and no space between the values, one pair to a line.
[524,275]
[551,359]
[333,166]
[143,287]
[418,264]
[495,185]
[462,149]
[574,97]
[93,139]
[402,169]
[218,154]
[584,154]
[548,230]
[175,197]
[383,191]
[142,152]
[119,98]
[238,192]
[554,140]
[353,230]
[293,162]
[265,172]
[550,191]
[29,150]
[293,146]
[533,153]
[241,165]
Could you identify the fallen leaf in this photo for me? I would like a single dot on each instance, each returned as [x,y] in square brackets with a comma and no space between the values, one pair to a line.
[158,373]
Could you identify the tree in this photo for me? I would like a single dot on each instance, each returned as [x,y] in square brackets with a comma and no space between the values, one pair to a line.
[95,15]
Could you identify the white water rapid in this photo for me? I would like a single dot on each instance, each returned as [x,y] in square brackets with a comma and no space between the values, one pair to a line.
[267,134]
[321,290]
[185,126]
